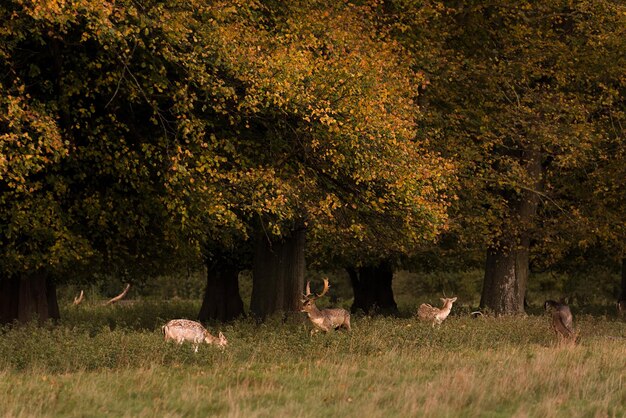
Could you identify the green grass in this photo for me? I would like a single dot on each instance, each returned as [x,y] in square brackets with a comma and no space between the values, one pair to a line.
[112,361]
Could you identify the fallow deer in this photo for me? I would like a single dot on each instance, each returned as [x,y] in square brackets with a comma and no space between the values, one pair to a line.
[436,315]
[181,330]
[324,319]
[562,320]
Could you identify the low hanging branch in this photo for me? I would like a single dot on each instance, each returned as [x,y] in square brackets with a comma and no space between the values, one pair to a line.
[78,299]
[120,296]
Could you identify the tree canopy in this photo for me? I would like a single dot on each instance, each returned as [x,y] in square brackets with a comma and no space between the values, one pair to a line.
[137,136]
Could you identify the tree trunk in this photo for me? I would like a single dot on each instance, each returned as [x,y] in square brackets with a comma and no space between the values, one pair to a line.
[278,275]
[506,277]
[9,291]
[372,289]
[222,301]
[507,263]
[30,297]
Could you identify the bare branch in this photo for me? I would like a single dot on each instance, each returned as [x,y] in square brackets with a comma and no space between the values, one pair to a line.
[120,296]
[78,299]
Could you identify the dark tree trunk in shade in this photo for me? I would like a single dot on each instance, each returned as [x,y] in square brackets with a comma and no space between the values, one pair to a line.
[221,301]
[9,297]
[29,297]
[372,289]
[278,274]
[506,278]
[507,262]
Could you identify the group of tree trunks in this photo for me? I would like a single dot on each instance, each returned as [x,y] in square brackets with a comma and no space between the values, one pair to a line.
[279,280]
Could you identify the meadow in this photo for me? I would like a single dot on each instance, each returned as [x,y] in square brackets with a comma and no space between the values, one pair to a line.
[112,361]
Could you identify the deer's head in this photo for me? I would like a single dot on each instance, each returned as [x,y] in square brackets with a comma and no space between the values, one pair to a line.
[308,301]
[551,304]
[220,340]
[448,302]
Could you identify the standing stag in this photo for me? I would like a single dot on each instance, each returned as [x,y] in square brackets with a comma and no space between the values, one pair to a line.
[325,319]
[181,330]
[436,315]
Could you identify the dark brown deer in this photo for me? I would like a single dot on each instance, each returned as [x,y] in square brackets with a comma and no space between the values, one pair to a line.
[562,320]
[324,319]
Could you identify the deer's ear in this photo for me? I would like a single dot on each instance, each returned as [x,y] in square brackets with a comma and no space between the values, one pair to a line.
[454,299]
[443,300]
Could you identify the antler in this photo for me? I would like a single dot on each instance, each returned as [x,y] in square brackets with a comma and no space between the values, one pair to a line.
[307,292]
[120,296]
[326,286]
[78,299]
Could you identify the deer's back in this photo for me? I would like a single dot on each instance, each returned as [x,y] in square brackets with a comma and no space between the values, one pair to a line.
[336,316]
[184,329]
[426,311]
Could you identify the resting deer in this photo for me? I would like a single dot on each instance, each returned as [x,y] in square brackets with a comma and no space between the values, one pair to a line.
[181,330]
[436,315]
[325,319]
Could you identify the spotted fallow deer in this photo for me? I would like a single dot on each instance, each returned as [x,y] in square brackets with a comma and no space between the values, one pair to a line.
[324,319]
[181,330]
[436,315]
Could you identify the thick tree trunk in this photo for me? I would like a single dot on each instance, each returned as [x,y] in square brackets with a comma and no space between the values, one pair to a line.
[222,301]
[507,263]
[9,292]
[372,289]
[278,275]
[506,278]
[30,297]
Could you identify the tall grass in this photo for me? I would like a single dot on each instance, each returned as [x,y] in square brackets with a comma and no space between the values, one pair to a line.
[113,362]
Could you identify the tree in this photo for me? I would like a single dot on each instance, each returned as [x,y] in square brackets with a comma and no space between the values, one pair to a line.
[99,101]
[510,97]
[326,118]
[182,130]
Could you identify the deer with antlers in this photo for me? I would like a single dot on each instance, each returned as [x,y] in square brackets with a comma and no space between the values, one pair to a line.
[436,315]
[324,319]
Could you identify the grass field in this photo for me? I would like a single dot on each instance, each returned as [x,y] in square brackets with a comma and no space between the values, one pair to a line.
[112,361]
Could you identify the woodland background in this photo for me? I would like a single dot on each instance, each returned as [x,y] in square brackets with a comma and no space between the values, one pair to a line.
[479,145]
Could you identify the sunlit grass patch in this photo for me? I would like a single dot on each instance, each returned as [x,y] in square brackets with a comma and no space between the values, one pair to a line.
[508,366]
